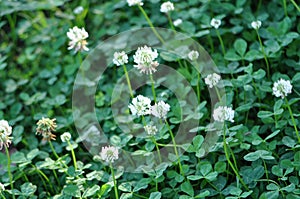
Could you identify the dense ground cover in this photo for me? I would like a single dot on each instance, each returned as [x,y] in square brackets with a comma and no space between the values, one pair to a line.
[245,103]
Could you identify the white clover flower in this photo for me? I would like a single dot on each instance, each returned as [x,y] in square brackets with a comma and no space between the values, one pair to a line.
[140,105]
[109,154]
[46,127]
[78,39]
[166,7]
[78,10]
[150,129]
[120,58]
[215,23]
[223,113]
[65,137]
[144,58]
[282,88]
[212,80]
[256,24]
[2,187]
[135,2]
[160,109]
[177,22]
[193,55]
[5,132]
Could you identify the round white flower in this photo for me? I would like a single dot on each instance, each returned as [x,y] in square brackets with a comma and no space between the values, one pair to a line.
[5,132]
[135,2]
[166,7]
[212,80]
[215,23]
[2,187]
[120,58]
[150,129]
[78,39]
[223,113]
[144,58]
[78,10]
[177,22]
[256,24]
[109,154]
[140,105]
[160,109]
[193,55]
[282,88]
[65,137]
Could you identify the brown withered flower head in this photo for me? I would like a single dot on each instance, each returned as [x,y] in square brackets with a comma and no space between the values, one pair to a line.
[46,127]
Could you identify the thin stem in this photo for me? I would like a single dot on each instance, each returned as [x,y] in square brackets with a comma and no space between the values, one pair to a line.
[171,22]
[9,171]
[284,7]
[228,158]
[140,196]
[198,88]
[157,148]
[2,196]
[128,80]
[221,42]
[53,150]
[150,24]
[295,4]
[153,89]
[218,93]
[115,182]
[293,119]
[266,170]
[264,54]
[73,154]
[175,148]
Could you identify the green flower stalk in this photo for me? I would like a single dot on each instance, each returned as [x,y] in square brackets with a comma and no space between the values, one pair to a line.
[216,24]
[223,114]
[282,88]
[256,25]
[109,154]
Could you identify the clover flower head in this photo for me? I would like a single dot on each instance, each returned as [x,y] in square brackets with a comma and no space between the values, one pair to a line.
[150,129]
[160,109]
[140,105]
[120,58]
[135,2]
[46,127]
[66,136]
[282,88]
[193,55]
[78,10]
[215,23]
[144,58]
[177,22]
[78,39]
[5,132]
[256,24]
[212,80]
[2,187]
[166,7]
[109,154]
[223,113]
